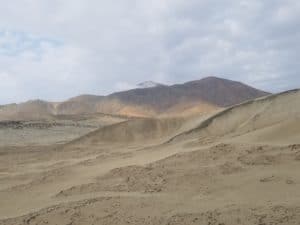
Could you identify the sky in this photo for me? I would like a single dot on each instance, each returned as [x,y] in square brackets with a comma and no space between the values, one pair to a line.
[57,49]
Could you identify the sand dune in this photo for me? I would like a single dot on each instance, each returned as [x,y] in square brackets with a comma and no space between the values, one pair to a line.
[138,130]
[141,132]
[237,166]
[287,131]
[249,116]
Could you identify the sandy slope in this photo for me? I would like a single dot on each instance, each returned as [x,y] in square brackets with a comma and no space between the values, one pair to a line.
[249,117]
[240,166]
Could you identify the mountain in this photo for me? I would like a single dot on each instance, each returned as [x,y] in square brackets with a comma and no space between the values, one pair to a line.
[212,90]
[206,94]
[153,100]
[149,84]
[222,92]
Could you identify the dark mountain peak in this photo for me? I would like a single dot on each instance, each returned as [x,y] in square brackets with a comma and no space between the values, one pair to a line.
[223,92]
[211,79]
[213,90]
[149,84]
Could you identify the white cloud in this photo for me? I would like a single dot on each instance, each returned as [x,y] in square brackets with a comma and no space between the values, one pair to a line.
[49,71]
[124,86]
[57,49]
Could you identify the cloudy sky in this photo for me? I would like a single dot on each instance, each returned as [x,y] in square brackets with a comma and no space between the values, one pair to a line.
[55,49]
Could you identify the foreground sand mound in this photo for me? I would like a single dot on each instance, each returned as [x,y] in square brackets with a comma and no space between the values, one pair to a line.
[206,171]
[126,210]
[252,116]
[222,184]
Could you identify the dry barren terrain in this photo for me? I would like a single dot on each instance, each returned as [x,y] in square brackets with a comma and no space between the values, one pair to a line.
[237,166]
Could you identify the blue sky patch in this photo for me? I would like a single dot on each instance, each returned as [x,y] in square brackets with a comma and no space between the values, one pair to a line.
[13,43]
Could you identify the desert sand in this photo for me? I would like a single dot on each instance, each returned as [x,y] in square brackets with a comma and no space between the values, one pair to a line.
[239,165]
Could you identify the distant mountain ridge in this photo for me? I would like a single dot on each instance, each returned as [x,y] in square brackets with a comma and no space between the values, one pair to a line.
[149,84]
[153,100]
